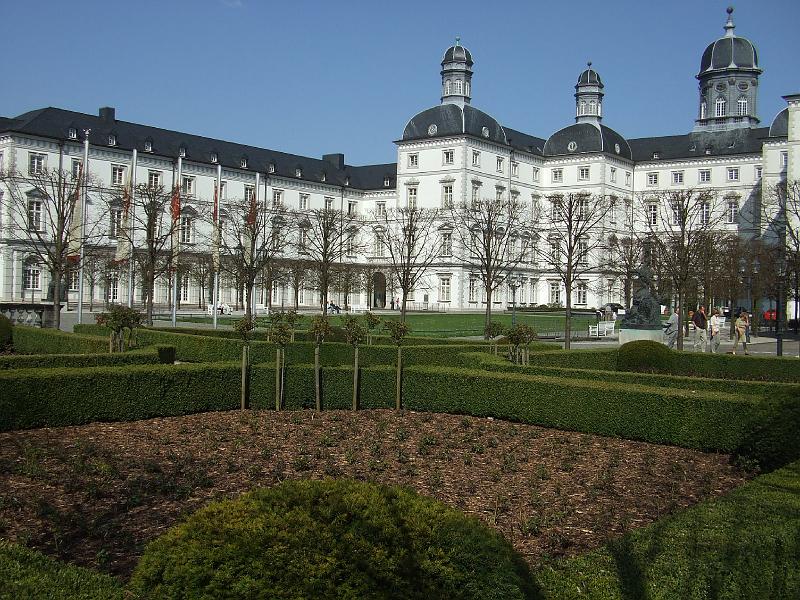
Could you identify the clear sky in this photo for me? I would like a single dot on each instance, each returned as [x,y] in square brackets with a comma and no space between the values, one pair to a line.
[314,77]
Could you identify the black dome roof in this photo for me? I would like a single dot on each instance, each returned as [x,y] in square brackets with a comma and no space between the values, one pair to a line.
[729,51]
[590,77]
[581,138]
[451,119]
[457,53]
[780,124]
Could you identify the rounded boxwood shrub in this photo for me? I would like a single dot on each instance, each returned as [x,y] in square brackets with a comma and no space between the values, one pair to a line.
[645,356]
[5,333]
[331,539]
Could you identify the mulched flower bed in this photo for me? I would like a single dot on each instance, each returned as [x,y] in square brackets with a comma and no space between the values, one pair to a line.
[96,494]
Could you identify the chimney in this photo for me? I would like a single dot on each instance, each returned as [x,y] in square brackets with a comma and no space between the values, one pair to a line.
[337,160]
[107,114]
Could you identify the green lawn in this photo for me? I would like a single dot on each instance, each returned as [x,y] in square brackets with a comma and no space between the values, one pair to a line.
[457,324]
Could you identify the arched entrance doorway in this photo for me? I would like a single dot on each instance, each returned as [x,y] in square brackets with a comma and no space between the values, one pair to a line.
[379,290]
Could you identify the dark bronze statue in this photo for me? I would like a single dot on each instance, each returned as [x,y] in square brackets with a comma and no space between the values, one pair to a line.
[646,310]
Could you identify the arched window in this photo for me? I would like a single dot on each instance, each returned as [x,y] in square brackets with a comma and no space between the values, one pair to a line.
[703,109]
[582,107]
[447,88]
[720,107]
[592,108]
[459,87]
[741,106]
[466,88]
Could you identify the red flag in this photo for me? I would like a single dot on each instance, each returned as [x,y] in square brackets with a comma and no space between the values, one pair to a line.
[175,205]
[251,214]
[126,201]
[216,204]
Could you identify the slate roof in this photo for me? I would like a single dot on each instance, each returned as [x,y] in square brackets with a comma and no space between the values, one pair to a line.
[457,54]
[55,122]
[696,144]
[780,124]
[590,77]
[587,138]
[729,52]
[451,119]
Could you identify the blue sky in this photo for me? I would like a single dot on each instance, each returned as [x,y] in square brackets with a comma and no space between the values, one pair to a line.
[321,77]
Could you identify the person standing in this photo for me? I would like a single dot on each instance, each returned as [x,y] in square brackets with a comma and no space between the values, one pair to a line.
[671,329]
[713,328]
[741,332]
[701,329]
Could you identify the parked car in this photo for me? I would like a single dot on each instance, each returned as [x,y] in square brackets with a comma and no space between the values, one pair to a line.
[770,315]
[613,307]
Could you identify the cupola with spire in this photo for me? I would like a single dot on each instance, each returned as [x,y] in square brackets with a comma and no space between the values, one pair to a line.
[457,75]
[728,82]
[589,97]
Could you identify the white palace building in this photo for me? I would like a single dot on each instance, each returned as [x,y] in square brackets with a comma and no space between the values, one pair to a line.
[448,153]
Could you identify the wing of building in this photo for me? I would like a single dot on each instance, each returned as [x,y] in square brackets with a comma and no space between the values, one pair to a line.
[447,155]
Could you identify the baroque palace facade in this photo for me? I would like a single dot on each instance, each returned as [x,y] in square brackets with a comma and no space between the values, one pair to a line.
[447,154]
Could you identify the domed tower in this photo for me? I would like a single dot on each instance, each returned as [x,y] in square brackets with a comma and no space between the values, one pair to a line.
[728,83]
[457,75]
[589,97]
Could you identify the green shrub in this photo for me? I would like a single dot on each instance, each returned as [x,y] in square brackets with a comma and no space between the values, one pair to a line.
[166,354]
[775,441]
[6,339]
[602,359]
[54,361]
[331,539]
[26,573]
[645,356]
[33,340]
[741,546]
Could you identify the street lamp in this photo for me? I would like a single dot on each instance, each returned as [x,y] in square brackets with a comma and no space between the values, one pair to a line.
[514,283]
[778,309]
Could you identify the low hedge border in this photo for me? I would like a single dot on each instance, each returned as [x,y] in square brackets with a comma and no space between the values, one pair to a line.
[26,573]
[604,359]
[742,545]
[152,355]
[756,388]
[33,340]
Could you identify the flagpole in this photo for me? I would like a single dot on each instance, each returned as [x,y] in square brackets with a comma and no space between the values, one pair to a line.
[255,197]
[175,248]
[84,191]
[132,210]
[215,242]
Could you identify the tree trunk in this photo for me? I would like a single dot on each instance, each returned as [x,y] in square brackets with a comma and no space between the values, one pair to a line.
[317,398]
[568,317]
[680,321]
[248,300]
[57,301]
[398,384]
[403,308]
[488,317]
[91,296]
[355,379]
[245,377]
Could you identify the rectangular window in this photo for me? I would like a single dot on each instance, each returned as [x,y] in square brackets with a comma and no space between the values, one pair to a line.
[583,173]
[677,177]
[476,158]
[676,205]
[302,239]
[115,222]
[35,215]
[33,278]
[448,157]
[352,209]
[186,231]
[447,196]
[613,175]
[705,213]
[36,163]
[380,209]
[187,186]
[350,245]
[249,193]
[581,293]
[759,170]
[379,245]
[583,208]
[328,203]
[277,197]
[652,179]
[447,244]
[558,175]
[555,292]
[475,196]
[555,252]
[652,214]
[413,160]
[705,176]
[784,159]
[444,289]
[303,202]
[76,168]
[72,281]
[514,169]
[535,173]
[184,289]
[627,178]
[733,211]
[733,173]
[117,175]
[500,164]
[473,290]
[412,197]
[154,179]
[583,251]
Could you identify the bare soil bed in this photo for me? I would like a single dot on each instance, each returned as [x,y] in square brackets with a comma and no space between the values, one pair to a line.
[95,495]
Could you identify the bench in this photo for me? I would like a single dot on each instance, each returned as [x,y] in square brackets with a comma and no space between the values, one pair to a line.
[602,329]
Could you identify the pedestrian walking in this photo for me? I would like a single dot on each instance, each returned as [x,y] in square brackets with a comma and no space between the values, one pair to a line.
[701,329]
[671,329]
[714,330]
[741,332]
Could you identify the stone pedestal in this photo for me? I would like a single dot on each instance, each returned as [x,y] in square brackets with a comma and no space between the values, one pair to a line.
[632,335]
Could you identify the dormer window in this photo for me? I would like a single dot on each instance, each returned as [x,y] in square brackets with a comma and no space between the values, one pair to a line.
[271,167]
[182,152]
[708,150]
[386,182]
[243,162]
[298,172]
[214,157]
[148,146]
[72,133]
[656,155]
[324,176]
[347,181]
[112,140]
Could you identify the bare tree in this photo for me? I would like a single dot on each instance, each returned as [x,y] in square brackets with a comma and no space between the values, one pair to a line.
[575,244]
[45,209]
[254,241]
[327,236]
[96,261]
[296,273]
[677,226]
[409,237]
[626,253]
[347,281]
[781,218]
[489,232]
[200,268]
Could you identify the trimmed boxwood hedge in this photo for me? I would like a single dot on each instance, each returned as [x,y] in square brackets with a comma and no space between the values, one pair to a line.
[34,340]
[741,546]
[603,359]
[26,573]
[151,355]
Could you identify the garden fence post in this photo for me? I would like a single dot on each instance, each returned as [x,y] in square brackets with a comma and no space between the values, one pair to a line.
[316,379]
[398,396]
[355,379]
[245,376]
